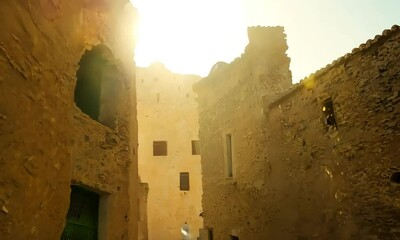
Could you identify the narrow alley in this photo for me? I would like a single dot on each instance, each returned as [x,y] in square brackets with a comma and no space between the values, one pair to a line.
[94,146]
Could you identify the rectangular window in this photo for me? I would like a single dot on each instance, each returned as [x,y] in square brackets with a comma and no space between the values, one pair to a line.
[229,155]
[184,181]
[231,237]
[195,147]
[160,148]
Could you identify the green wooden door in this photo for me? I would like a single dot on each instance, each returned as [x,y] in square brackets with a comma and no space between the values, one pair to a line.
[82,217]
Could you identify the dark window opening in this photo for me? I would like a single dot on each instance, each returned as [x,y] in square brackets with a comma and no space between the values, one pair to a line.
[229,155]
[160,148]
[329,114]
[82,217]
[231,237]
[98,85]
[395,178]
[138,211]
[195,147]
[184,181]
[208,232]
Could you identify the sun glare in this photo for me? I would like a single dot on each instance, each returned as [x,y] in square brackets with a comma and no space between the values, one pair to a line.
[189,36]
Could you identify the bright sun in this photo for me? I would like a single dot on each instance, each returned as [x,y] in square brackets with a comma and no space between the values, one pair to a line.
[189,36]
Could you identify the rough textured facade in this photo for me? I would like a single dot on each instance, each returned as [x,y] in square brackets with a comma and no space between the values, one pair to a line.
[47,141]
[167,112]
[298,172]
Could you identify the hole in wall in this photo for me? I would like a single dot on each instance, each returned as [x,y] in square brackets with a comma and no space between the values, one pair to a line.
[184,184]
[160,148]
[329,114]
[98,86]
[395,178]
[195,147]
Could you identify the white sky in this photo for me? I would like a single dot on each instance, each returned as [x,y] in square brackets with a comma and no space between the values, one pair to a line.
[190,36]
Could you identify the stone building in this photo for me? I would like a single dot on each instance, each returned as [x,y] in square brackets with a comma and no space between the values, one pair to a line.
[315,160]
[169,159]
[67,110]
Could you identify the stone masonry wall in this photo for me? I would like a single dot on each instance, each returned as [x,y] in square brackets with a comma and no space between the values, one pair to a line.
[294,176]
[167,111]
[335,183]
[230,102]
[46,142]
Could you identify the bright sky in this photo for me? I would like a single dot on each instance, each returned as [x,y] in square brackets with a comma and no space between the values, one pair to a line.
[190,36]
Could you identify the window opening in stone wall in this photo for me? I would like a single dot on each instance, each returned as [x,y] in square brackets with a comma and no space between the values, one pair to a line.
[329,114]
[184,181]
[98,86]
[160,148]
[139,211]
[195,147]
[228,140]
[82,217]
[395,178]
[209,234]
[231,237]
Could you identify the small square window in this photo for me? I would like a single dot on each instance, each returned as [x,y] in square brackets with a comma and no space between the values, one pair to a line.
[184,181]
[160,148]
[195,147]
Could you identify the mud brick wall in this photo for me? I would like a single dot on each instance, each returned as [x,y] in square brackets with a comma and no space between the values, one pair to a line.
[46,142]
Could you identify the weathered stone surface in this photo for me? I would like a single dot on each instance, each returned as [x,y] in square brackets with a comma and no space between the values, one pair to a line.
[47,143]
[319,182]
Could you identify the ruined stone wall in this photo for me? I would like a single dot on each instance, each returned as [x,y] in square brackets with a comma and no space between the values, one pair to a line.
[230,102]
[296,177]
[167,111]
[47,142]
[335,183]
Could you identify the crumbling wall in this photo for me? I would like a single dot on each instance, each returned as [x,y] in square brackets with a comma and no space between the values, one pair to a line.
[295,176]
[334,183]
[230,102]
[47,143]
